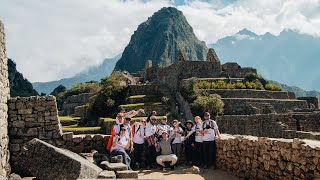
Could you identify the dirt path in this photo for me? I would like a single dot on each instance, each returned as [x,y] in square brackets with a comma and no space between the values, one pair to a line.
[185,174]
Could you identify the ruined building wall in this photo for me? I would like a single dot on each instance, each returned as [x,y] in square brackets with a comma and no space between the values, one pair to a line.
[265,158]
[4,96]
[37,117]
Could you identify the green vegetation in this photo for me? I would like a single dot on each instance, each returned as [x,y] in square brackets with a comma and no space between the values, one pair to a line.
[207,103]
[253,77]
[68,118]
[141,104]
[76,127]
[58,90]
[239,85]
[141,96]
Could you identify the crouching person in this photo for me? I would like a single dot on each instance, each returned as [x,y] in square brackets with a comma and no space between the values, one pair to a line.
[120,144]
[166,154]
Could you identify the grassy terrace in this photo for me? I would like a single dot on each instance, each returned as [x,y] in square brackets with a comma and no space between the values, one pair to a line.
[142,96]
[68,118]
[79,128]
[264,99]
[141,104]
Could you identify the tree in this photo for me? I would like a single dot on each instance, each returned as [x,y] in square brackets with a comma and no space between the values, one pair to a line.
[58,90]
[211,103]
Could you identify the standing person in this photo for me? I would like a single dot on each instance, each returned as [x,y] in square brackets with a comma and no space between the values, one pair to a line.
[198,148]
[189,143]
[139,135]
[177,141]
[151,130]
[163,126]
[126,124]
[166,155]
[120,144]
[210,133]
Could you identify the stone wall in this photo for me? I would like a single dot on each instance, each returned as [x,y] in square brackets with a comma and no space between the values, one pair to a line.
[37,117]
[233,106]
[251,157]
[4,96]
[73,101]
[308,121]
[249,93]
[270,125]
[313,102]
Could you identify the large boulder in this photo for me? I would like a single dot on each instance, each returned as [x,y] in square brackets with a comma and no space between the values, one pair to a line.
[45,161]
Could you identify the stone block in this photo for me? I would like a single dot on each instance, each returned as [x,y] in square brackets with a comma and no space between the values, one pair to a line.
[116,159]
[113,166]
[25,111]
[107,175]
[127,174]
[48,162]
[45,135]
[67,136]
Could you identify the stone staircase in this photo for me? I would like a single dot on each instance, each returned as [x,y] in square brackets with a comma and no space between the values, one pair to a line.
[116,170]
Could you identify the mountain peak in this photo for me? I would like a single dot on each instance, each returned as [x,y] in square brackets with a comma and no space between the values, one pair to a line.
[159,39]
[245,31]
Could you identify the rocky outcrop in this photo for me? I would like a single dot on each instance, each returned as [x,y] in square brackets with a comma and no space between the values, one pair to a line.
[159,39]
[49,162]
[19,86]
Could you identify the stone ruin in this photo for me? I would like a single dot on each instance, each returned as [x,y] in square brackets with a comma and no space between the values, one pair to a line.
[31,124]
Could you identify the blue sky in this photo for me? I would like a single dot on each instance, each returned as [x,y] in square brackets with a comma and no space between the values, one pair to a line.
[50,40]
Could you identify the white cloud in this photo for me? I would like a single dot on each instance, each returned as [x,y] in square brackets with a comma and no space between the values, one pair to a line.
[54,39]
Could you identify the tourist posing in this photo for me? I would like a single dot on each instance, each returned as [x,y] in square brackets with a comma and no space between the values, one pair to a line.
[163,126]
[120,144]
[151,139]
[210,133]
[189,143]
[177,141]
[139,137]
[166,154]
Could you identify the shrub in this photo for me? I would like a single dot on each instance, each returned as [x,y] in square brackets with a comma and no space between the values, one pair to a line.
[253,77]
[207,103]
[239,85]
[272,87]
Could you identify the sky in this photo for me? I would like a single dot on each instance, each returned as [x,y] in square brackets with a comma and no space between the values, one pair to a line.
[50,40]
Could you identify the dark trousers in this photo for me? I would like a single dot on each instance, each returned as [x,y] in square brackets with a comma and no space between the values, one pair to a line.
[151,155]
[188,150]
[177,148]
[209,152]
[138,152]
[198,151]
[125,157]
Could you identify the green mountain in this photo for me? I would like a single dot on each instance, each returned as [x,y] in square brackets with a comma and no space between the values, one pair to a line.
[92,74]
[159,39]
[19,86]
[297,91]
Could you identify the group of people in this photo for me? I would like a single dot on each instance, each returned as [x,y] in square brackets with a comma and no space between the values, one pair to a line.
[150,143]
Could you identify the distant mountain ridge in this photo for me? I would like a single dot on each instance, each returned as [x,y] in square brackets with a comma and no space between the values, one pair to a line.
[92,74]
[159,39]
[291,58]
[297,91]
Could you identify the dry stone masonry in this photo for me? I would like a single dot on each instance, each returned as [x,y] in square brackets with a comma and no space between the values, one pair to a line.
[267,158]
[4,96]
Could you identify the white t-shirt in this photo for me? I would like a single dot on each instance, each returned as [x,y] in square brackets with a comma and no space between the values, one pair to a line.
[121,144]
[150,129]
[177,139]
[210,136]
[165,127]
[198,136]
[118,120]
[138,136]
[127,127]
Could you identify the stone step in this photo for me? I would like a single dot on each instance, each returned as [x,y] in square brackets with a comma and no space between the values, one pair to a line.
[113,166]
[107,175]
[144,98]
[128,174]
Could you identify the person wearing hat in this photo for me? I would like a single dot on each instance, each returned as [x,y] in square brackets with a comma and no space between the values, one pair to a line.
[139,133]
[166,154]
[151,139]
[210,133]
[120,144]
[189,142]
[126,124]
[163,127]
[177,141]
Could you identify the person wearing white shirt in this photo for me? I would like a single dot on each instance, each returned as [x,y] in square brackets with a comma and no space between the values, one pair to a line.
[210,133]
[163,126]
[151,139]
[119,146]
[138,140]
[177,141]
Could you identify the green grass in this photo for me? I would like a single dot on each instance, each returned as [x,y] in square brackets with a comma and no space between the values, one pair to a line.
[141,104]
[68,118]
[75,127]
[142,96]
